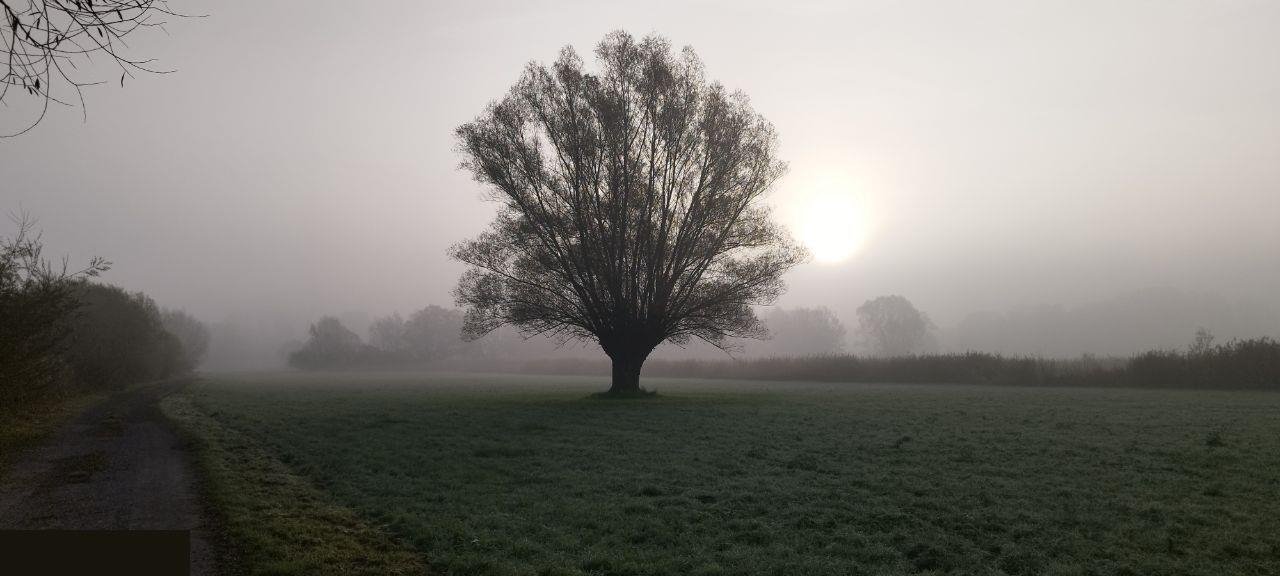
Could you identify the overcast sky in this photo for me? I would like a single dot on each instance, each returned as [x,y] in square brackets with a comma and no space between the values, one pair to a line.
[985,155]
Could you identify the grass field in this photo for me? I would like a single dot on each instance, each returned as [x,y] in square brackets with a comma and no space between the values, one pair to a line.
[530,475]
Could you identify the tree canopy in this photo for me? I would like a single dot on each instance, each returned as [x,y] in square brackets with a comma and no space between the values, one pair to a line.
[629,206]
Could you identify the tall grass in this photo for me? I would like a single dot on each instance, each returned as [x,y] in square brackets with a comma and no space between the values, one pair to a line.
[1241,364]
[1251,364]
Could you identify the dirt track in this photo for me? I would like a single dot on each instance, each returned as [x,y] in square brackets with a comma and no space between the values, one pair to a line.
[119,466]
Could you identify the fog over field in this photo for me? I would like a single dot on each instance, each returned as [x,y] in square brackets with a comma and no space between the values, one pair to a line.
[763,287]
[1092,177]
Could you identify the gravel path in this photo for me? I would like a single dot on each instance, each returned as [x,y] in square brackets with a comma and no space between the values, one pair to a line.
[118,466]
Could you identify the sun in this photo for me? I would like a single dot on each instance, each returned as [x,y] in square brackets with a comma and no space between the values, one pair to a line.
[829,228]
[828,207]
[830,223]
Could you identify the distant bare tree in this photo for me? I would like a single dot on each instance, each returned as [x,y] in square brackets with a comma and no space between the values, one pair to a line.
[892,326]
[1202,344]
[629,206]
[43,40]
[805,331]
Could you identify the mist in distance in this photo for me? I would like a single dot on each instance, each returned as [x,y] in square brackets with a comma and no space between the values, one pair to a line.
[1084,178]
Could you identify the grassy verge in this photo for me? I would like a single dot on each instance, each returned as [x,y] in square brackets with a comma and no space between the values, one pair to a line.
[24,428]
[277,522]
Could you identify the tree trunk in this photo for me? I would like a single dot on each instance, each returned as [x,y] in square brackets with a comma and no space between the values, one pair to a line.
[626,371]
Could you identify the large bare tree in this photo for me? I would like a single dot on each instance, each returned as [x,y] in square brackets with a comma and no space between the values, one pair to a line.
[629,206]
[44,42]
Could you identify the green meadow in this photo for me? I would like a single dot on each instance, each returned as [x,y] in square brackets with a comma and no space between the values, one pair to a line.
[489,474]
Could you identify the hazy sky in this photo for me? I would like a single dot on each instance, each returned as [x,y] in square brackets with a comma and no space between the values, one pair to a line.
[983,155]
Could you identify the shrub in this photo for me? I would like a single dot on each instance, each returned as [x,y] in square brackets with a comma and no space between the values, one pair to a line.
[117,338]
[37,303]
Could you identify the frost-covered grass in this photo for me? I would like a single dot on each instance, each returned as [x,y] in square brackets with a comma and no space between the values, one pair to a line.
[485,474]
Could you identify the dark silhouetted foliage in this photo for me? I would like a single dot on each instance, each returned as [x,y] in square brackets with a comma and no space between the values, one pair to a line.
[118,338]
[61,333]
[38,302]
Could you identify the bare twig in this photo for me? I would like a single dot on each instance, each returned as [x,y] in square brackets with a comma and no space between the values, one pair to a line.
[41,40]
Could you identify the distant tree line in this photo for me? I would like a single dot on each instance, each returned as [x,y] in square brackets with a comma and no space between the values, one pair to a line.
[427,338]
[1124,324]
[432,337]
[61,331]
[805,344]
